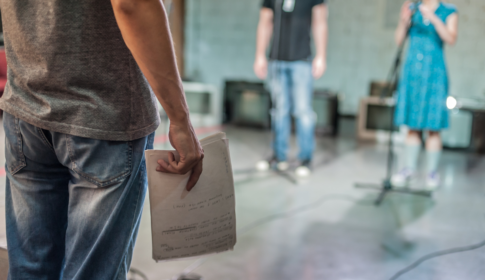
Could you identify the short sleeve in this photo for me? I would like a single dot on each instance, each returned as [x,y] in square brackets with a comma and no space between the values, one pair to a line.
[450,9]
[412,7]
[318,2]
[268,4]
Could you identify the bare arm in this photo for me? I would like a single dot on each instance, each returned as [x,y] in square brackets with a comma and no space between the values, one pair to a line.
[448,31]
[404,23]
[263,37]
[320,35]
[145,30]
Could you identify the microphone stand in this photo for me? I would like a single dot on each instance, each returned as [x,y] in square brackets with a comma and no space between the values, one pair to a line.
[386,186]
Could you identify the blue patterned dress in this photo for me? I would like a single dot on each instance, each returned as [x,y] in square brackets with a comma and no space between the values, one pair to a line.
[423,87]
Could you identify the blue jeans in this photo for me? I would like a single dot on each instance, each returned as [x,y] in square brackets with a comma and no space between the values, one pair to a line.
[73,204]
[291,86]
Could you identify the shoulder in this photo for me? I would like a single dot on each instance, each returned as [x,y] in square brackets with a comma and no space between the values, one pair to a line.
[450,8]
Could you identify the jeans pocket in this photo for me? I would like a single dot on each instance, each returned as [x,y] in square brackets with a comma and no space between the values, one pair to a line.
[100,162]
[15,159]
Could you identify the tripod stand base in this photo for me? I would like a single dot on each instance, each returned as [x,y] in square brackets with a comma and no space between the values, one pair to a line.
[190,277]
[386,187]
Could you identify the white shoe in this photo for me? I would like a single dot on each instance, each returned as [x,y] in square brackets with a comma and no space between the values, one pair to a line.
[402,178]
[433,180]
[282,166]
[262,165]
[304,169]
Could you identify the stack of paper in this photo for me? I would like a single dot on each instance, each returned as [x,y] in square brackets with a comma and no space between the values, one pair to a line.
[199,222]
[3,262]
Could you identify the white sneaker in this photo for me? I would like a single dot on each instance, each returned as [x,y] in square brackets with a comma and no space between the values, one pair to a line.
[282,166]
[262,165]
[433,180]
[402,178]
[304,169]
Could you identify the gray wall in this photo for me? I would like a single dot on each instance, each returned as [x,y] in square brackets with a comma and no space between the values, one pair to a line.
[220,44]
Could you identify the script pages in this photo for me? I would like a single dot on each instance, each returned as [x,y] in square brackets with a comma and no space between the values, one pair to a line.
[199,222]
[3,255]
[3,261]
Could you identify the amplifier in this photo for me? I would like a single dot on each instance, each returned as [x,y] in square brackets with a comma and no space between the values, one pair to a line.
[459,134]
[325,106]
[205,104]
[467,120]
[249,104]
[381,89]
[374,119]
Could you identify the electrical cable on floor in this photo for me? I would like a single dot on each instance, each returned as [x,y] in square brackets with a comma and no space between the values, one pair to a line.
[317,203]
[270,218]
[133,272]
[435,255]
[311,206]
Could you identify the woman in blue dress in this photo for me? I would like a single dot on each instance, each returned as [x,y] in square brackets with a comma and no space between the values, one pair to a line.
[423,88]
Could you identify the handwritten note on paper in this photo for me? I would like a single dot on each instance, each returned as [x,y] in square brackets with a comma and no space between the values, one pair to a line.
[202,221]
[3,262]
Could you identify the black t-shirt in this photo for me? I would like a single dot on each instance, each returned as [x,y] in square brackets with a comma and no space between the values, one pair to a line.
[293,18]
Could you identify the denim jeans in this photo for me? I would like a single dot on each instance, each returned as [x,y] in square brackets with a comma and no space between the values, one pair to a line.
[291,86]
[73,204]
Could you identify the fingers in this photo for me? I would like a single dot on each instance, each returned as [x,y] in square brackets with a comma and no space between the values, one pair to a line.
[318,70]
[194,177]
[264,71]
[162,166]
[181,167]
[318,75]
[183,139]
[173,168]
[261,72]
[256,70]
[261,68]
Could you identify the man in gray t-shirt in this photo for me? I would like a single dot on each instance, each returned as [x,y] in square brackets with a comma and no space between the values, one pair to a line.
[80,109]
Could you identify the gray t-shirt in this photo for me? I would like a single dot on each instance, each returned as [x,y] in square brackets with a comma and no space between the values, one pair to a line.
[70,71]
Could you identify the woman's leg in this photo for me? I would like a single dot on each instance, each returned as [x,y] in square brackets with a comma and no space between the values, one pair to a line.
[413,148]
[411,155]
[433,151]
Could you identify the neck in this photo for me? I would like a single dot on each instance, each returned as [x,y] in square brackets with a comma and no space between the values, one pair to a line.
[431,2]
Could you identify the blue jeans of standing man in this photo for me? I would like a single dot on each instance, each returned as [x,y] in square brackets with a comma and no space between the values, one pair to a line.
[291,86]
[73,204]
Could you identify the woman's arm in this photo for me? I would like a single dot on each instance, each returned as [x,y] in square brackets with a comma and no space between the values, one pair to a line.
[404,23]
[448,31]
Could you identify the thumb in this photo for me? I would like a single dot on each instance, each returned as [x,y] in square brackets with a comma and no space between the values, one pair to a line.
[314,69]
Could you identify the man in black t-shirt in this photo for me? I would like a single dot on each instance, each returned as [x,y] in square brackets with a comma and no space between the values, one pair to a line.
[292,70]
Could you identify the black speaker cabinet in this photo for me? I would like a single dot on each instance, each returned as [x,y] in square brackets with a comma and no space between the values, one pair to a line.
[325,106]
[247,104]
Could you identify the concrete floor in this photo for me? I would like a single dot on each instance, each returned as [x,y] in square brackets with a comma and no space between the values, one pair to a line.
[323,228]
